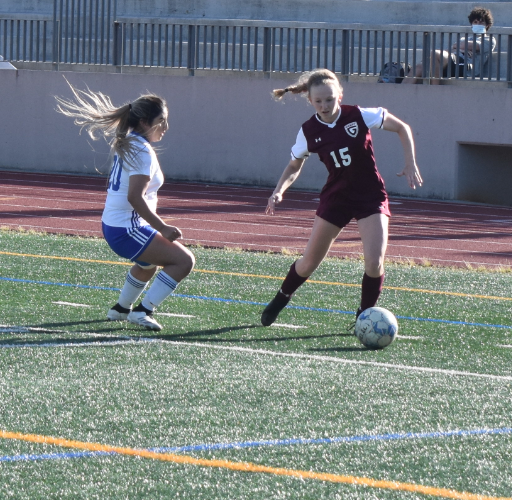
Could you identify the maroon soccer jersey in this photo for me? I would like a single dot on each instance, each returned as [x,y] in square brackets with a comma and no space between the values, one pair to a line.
[345,148]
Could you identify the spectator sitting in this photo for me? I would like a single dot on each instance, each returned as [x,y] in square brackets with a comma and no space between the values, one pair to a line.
[473,57]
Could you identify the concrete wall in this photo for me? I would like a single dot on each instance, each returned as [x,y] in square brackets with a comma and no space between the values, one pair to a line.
[343,11]
[228,128]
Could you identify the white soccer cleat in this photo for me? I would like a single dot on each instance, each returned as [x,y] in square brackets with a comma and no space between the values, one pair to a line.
[118,313]
[114,315]
[142,319]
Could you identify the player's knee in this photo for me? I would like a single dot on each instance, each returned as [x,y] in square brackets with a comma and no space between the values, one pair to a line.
[374,266]
[143,272]
[188,262]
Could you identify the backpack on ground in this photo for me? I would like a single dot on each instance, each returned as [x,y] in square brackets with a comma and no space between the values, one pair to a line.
[393,72]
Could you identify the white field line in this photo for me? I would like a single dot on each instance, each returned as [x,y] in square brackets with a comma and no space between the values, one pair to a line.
[346,361]
[175,315]
[219,203]
[51,228]
[263,352]
[27,329]
[72,304]
[170,191]
[262,215]
[285,325]
[121,341]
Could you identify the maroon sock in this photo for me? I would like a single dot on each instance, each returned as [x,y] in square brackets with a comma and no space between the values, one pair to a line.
[370,291]
[292,282]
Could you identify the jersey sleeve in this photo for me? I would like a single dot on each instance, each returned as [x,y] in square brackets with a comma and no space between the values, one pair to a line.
[373,117]
[300,148]
[141,159]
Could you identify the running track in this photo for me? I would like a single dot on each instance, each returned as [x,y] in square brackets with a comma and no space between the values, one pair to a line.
[442,233]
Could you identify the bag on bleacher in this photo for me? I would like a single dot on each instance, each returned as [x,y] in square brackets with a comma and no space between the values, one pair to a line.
[393,72]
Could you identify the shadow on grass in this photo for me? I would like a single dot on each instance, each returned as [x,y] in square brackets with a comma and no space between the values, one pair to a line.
[49,327]
[56,333]
[122,332]
[210,334]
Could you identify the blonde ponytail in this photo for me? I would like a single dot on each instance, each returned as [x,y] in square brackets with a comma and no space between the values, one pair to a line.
[306,81]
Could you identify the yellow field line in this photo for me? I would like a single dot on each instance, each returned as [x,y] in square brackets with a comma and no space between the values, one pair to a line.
[403,289]
[74,259]
[249,467]
[279,278]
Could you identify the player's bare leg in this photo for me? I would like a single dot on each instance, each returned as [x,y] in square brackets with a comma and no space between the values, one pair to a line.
[374,235]
[177,262]
[322,237]
[175,259]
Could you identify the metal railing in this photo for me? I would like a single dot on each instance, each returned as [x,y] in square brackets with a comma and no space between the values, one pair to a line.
[349,50]
[89,32]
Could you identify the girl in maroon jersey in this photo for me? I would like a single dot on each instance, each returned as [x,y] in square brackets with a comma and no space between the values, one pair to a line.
[340,135]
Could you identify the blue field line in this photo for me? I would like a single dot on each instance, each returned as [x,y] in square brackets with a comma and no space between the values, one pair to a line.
[344,439]
[54,456]
[35,282]
[272,442]
[251,303]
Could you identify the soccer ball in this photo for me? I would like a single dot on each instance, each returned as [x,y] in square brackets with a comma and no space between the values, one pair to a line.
[376,327]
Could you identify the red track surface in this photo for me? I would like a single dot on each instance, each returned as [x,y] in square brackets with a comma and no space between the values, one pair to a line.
[443,233]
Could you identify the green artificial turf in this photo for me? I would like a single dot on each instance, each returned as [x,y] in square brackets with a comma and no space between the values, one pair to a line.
[215,376]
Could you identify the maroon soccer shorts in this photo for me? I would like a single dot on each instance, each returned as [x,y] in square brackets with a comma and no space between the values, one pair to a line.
[340,214]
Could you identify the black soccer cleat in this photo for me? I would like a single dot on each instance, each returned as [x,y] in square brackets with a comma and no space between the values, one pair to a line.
[274,307]
[352,327]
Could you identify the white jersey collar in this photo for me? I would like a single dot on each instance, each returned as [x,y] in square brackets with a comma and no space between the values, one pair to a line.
[330,125]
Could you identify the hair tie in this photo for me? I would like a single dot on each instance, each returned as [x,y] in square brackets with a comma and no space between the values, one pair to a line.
[287,89]
[130,106]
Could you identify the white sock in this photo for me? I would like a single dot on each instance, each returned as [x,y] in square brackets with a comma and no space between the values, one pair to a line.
[131,291]
[161,288]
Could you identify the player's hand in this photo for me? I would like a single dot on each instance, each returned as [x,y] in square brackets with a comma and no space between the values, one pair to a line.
[170,233]
[272,201]
[412,175]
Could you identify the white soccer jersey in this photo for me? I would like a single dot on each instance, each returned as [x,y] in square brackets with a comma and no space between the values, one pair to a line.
[118,212]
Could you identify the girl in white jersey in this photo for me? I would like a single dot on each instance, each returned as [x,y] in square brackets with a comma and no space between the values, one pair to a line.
[130,223]
[340,135]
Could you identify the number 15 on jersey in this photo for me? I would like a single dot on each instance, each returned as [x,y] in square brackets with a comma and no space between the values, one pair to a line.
[344,156]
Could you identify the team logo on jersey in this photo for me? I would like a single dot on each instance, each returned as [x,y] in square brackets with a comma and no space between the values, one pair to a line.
[352,129]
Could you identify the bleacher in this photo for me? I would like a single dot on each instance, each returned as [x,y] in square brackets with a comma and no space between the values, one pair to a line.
[421,12]
[353,38]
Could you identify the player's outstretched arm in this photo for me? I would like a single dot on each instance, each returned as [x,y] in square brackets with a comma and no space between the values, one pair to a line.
[288,177]
[411,170]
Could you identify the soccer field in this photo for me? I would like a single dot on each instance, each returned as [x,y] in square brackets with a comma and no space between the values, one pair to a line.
[218,407]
